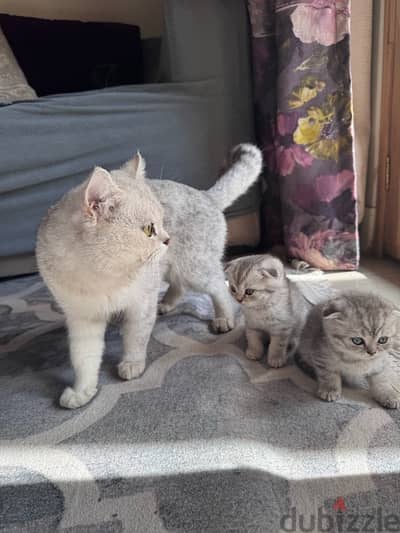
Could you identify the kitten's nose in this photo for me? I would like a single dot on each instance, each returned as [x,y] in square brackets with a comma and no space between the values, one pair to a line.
[371,352]
[166,242]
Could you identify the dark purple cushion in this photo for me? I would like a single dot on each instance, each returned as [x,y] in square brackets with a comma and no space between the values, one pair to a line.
[62,56]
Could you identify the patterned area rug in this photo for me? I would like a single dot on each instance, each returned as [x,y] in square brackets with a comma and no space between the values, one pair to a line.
[204,441]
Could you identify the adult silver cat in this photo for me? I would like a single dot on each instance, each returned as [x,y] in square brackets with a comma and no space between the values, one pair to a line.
[100,249]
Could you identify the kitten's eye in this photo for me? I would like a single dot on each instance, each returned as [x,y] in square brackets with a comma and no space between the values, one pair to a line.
[383,340]
[233,289]
[249,292]
[149,230]
[358,341]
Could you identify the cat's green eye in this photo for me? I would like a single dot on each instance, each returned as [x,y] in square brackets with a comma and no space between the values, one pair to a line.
[383,340]
[149,230]
[249,292]
[233,289]
[358,341]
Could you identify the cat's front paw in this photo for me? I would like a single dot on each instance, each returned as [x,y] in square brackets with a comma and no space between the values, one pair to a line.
[71,399]
[329,395]
[131,369]
[276,361]
[163,309]
[222,325]
[252,355]
[390,401]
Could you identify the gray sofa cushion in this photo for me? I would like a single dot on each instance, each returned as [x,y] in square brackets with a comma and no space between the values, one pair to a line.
[51,144]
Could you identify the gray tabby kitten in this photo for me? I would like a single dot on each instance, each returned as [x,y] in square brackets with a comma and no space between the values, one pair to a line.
[273,306]
[351,336]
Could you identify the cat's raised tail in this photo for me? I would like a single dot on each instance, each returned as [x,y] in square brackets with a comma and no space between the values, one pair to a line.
[246,166]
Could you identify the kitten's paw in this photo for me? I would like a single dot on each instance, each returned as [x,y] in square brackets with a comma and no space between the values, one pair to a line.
[389,401]
[163,309]
[253,356]
[131,369]
[71,399]
[222,325]
[329,395]
[276,361]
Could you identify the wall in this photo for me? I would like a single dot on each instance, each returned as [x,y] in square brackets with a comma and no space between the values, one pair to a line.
[368,226]
[145,13]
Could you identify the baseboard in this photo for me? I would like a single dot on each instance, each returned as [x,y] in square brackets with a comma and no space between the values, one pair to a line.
[244,230]
[17,265]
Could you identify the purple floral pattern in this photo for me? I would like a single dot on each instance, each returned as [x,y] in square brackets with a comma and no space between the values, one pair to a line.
[303,121]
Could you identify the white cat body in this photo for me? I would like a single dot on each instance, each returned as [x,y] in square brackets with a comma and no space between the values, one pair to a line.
[98,250]
[101,299]
[101,250]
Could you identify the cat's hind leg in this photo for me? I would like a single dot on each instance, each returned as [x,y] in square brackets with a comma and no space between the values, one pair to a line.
[173,295]
[216,287]
[138,324]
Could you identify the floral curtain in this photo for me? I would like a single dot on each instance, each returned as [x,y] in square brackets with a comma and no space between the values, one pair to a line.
[304,124]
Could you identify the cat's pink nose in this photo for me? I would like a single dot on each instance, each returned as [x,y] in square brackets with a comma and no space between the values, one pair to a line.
[166,242]
[371,352]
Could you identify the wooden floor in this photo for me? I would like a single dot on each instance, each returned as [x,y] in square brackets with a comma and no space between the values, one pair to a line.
[377,275]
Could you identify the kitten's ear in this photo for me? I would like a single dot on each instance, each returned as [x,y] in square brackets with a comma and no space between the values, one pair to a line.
[136,167]
[396,313]
[272,268]
[228,267]
[271,272]
[101,194]
[334,309]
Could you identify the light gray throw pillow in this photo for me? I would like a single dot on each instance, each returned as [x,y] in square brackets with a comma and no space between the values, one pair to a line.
[13,84]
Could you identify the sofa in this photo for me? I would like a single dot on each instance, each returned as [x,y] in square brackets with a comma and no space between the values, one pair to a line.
[184,123]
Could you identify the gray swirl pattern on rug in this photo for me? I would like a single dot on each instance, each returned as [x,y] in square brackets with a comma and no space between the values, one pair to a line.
[205,440]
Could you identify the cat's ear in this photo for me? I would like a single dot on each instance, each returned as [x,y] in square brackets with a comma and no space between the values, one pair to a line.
[136,167]
[396,314]
[333,310]
[229,266]
[101,194]
[272,268]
